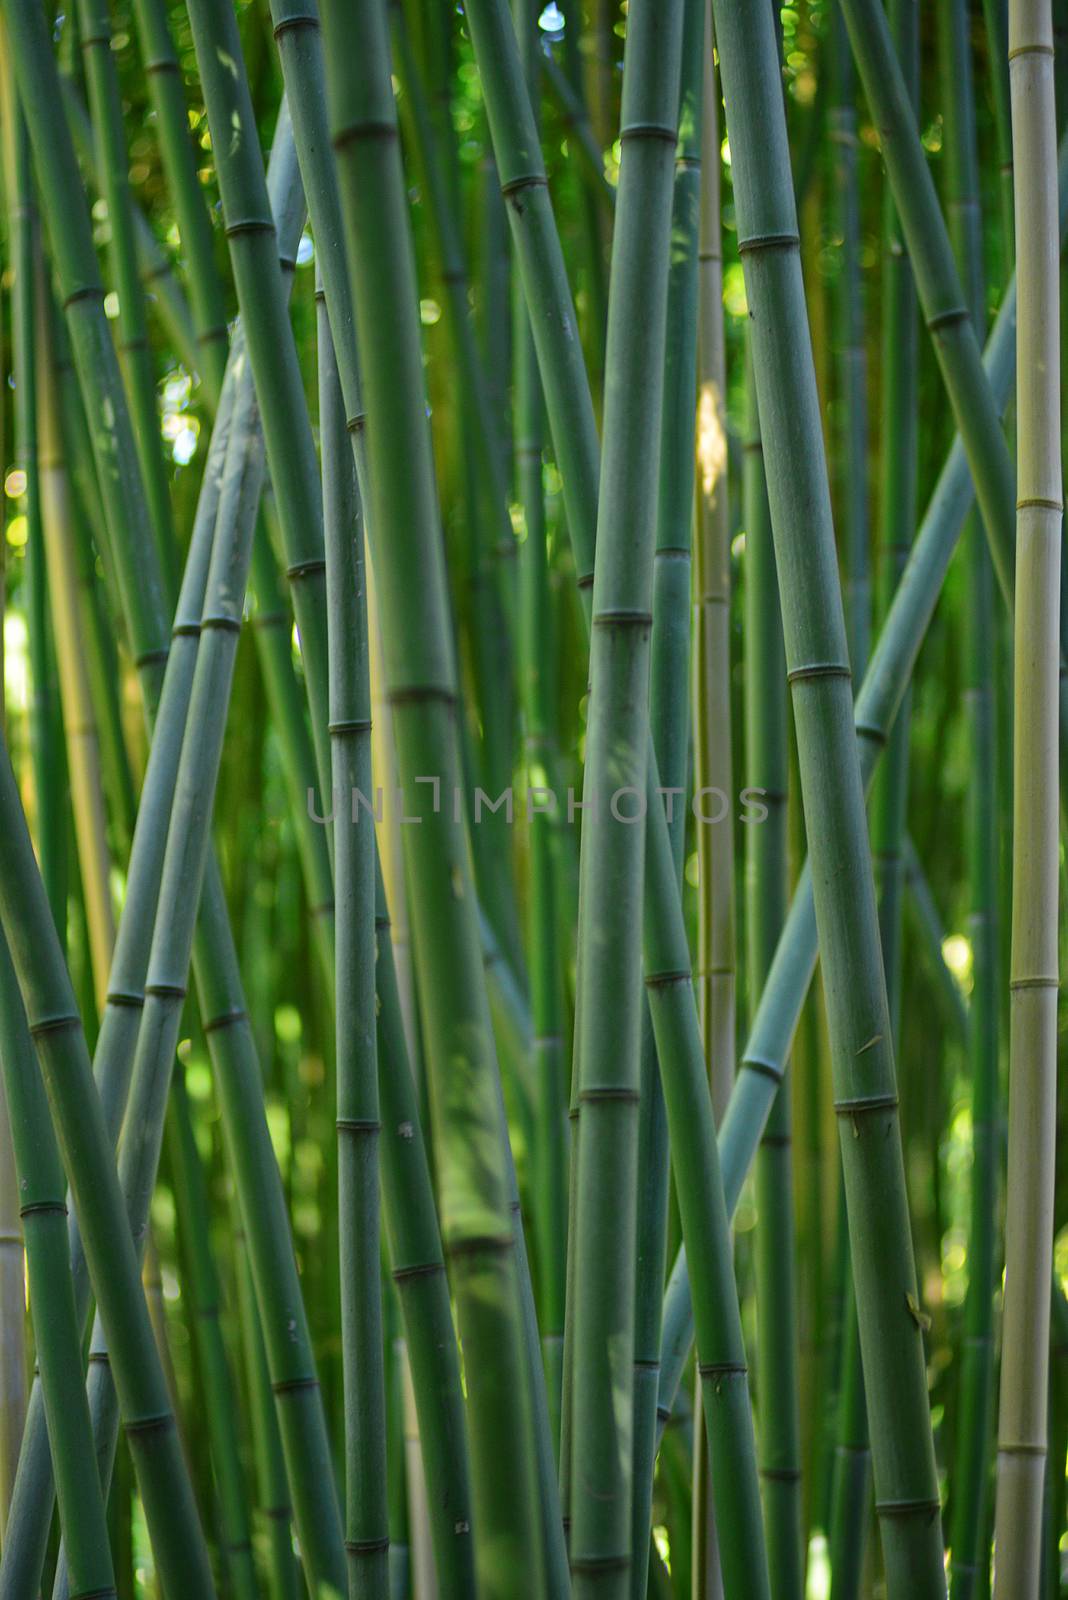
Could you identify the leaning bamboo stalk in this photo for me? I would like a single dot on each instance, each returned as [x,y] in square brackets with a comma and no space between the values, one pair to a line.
[473,1196]
[1034,977]
[358,1124]
[862,1055]
[56,1332]
[178,1540]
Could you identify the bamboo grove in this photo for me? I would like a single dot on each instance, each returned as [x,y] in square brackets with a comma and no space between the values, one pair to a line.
[530,800]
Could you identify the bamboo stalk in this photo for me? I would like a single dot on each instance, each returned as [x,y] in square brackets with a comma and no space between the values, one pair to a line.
[540,754]
[611,861]
[1022,1415]
[473,1190]
[83,749]
[358,1125]
[56,1332]
[106,107]
[667,958]
[862,1055]
[969,1508]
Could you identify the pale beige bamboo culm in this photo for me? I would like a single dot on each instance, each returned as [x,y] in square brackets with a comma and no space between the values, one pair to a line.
[1034,971]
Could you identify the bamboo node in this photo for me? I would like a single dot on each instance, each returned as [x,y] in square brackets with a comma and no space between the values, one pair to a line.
[226,1019]
[1021,1449]
[125,997]
[623,618]
[872,731]
[288,1385]
[59,1024]
[525,180]
[943,319]
[249,225]
[220,621]
[149,658]
[609,1092]
[600,1563]
[352,725]
[92,39]
[43,1207]
[418,693]
[1038,503]
[88,291]
[907,1508]
[765,1069]
[781,1474]
[649,130]
[663,980]
[166,991]
[300,19]
[162,1422]
[358,1125]
[862,1103]
[357,423]
[1031,50]
[1034,983]
[769,241]
[163,64]
[210,334]
[421,1269]
[364,130]
[818,669]
[95,1594]
[366,1547]
[186,630]
[305,569]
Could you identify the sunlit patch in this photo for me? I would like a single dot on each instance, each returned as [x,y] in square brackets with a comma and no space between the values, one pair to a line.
[15,483]
[711,438]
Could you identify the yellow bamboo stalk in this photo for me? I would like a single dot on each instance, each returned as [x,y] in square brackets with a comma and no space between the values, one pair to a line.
[79,718]
[1034,970]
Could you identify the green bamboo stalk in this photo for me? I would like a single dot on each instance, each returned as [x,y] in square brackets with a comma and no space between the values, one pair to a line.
[489,529]
[471,1160]
[851,407]
[273,1505]
[944,305]
[612,856]
[767,771]
[158,277]
[149,1422]
[106,108]
[669,706]
[969,1507]
[851,1473]
[571,109]
[120,1018]
[727,1411]
[358,1125]
[167,93]
[763,1061]
[1022,1417]
[409,1203]
[56,1332]
[995,19]
[862,1055]
[201,1286]
[540,755]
